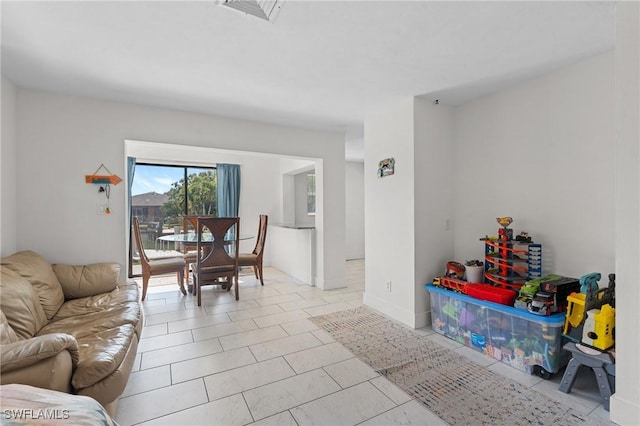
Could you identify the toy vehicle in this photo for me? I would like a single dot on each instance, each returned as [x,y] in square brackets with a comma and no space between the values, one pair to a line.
[522,302]
[543,304]
[526,294]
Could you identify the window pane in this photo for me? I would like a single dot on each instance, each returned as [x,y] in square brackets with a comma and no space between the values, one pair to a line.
[311,193]
[158,196]
[151,185]
[202,194]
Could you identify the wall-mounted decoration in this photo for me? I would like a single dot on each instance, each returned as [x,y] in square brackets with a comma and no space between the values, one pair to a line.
[386,167]
[105,181]
[97,179]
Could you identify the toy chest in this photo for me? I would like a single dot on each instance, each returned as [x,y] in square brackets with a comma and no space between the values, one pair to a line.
[527,342]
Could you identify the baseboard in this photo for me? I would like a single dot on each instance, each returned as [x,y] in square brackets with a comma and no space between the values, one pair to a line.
[329,284]
[392,311]
[623,412]
[422,319]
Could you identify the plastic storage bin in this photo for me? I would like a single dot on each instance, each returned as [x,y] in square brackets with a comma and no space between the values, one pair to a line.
[527,342]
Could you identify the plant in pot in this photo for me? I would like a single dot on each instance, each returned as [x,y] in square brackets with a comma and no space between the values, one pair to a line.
[474,271]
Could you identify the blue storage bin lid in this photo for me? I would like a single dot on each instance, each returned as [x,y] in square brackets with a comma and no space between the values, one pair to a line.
[555,320]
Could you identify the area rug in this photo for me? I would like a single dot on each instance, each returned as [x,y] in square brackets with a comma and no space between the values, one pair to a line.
[454,388]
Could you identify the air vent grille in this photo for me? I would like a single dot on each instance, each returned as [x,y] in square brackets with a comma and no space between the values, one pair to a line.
[263,9]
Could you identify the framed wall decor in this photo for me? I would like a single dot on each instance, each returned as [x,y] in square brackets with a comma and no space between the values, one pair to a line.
[386,167]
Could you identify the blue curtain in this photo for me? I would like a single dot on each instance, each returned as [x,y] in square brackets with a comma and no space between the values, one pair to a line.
[131,171]
[228,189]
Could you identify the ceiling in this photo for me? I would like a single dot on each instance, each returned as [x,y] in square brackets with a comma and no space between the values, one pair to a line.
[320,64]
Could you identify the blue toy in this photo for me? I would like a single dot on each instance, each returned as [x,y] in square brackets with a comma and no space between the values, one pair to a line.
[589,283]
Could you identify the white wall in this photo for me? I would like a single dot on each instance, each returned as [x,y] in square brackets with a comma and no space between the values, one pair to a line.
[625,403]
[293,252]
[541,152]
[8,218]
[62,138]
[434,136]
[389,206]
[354,210]
[407,231]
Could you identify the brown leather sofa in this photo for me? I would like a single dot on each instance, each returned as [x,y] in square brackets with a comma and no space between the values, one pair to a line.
[68,328]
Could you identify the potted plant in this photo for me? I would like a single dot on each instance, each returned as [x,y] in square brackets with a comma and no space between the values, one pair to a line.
[474,271]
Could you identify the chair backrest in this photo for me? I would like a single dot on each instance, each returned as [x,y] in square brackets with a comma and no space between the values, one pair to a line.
[262,235]
[138,237]
[190,221]
[214,254]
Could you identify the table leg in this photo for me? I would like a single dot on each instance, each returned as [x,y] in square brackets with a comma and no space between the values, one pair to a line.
[570,374]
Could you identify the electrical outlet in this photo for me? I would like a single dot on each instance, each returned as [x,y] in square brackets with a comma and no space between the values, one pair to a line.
[389,286]
[102,208]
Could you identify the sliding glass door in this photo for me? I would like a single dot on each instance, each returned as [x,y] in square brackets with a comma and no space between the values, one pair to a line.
[161,195]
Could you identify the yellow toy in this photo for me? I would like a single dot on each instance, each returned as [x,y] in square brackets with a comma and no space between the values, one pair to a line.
[599,327]
[590,297]
[576,303]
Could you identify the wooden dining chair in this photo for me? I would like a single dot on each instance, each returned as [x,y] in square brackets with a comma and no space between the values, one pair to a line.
[214,265]
[152,267]
[190,222]
[254,259]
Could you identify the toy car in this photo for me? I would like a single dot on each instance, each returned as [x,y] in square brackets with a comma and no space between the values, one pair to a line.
[543,304]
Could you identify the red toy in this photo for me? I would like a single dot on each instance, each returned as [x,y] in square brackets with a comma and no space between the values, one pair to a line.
[490,293]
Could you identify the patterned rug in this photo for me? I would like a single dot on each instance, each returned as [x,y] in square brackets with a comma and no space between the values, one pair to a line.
[456,389]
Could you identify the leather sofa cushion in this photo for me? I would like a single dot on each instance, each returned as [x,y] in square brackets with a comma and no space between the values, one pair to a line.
[101,354]
[84,324]
[87,280]
[7,335]
[38,271]
[123,294]
[20,305]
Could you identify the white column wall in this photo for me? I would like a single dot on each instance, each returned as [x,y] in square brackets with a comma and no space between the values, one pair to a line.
[8,150]
[625,403]
[389,205]
[62,138]
[434,170]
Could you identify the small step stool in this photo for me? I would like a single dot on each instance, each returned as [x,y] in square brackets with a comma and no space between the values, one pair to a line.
[602,364]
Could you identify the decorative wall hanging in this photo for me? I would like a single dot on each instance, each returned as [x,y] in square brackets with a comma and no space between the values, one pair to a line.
[97,179]
[386,167]
[106,189]
[105,181]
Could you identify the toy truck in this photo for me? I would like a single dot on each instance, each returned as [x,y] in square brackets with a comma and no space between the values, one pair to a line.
[526,294]
[561,289]
[543,304]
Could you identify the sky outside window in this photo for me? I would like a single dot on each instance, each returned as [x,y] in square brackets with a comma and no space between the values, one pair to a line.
[155,179]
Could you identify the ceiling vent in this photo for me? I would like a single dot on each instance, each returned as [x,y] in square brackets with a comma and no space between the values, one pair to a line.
[263,9]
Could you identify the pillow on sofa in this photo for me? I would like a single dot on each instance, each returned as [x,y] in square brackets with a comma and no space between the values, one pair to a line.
[87,280]
[37,270]
[20,304]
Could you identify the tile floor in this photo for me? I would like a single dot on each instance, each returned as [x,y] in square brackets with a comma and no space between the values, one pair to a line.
[261,361]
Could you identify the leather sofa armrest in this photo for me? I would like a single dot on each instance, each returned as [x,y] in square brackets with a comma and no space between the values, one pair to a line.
[23,353]
[87,280]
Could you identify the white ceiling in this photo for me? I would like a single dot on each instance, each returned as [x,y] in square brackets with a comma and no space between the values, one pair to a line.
[320,64]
